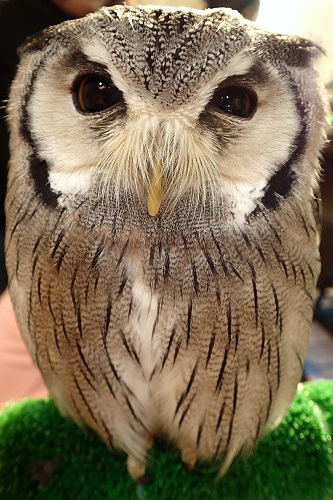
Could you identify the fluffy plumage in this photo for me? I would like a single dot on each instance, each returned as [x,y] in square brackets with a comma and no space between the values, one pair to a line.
[192,323]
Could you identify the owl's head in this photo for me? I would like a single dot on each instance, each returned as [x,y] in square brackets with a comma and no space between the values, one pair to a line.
[156,108]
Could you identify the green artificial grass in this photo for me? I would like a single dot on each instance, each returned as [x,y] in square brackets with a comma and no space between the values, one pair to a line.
[45,456]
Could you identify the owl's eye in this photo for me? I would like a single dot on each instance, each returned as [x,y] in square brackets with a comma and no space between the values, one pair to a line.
[236,100]
[95,93]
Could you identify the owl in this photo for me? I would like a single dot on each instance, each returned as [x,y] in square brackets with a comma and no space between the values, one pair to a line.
[163,221]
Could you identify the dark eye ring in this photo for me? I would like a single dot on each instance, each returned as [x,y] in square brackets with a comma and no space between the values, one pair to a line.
[95,93]
[236,100]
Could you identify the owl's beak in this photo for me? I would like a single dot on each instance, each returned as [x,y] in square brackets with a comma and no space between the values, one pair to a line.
[154,196]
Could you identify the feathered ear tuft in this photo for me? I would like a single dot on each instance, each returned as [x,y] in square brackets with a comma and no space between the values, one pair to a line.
[302,52]
[43,38]
[290,49]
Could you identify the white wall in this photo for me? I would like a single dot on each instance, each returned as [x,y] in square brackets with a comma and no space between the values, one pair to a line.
[309,18]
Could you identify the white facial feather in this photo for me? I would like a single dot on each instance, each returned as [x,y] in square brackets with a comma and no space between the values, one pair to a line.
[190,158]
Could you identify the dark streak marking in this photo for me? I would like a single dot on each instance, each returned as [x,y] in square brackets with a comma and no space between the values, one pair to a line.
[85,376]
[181,420]
[135,416]
[77,408]
[210,348]
[309,295]
[311,271]
[129,347]
[49,360]
[166,354]
[195,279]
[57,243]
[200,432]
[229,319]
[189,319]
[97,255]
[151,255]
[72,287]
[281,262]
[109,386]
[55,334]
[61,258]
[184,241]
[258,431]
[39,292]
[234,270]
[253,272]
[277,306]
[188,388]
[36,245]
[107,321]
[176,351]
[305,226]
[294,272]
[107,432]
[219,420]
[236,338]
[123,283]
[233,411]
[261,253]
[34,264]
[217,451]
[62,325]
[126,387]
[246,239]
[303,276]
[96,280]
[166,268]
[114,371]
[263,338]
[153,373]
[219,379]
[79,320]
[122,253]
[255,299]
[269,356]
[206,254]
[21,219]
[218,297]
[270,399]
[83,359]
[278,365]
[130,307]
[223,264]
[84,400]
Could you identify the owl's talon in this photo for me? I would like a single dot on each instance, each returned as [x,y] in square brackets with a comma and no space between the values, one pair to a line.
[136,469]
[143,480]
[189,458]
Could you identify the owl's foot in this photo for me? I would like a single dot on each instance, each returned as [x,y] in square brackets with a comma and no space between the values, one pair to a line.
[189,457]
[137,468]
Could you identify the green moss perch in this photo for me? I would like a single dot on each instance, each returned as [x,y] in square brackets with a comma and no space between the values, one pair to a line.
[45,456]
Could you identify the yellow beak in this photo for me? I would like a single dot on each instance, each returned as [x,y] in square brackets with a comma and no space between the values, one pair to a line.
[154,197]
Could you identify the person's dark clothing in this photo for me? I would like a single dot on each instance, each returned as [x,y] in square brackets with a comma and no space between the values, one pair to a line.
[18,20]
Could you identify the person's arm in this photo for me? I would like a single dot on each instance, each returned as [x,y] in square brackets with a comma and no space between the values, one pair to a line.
[19,377]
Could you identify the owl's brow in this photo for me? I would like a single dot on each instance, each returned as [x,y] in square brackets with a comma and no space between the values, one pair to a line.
[81,63]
